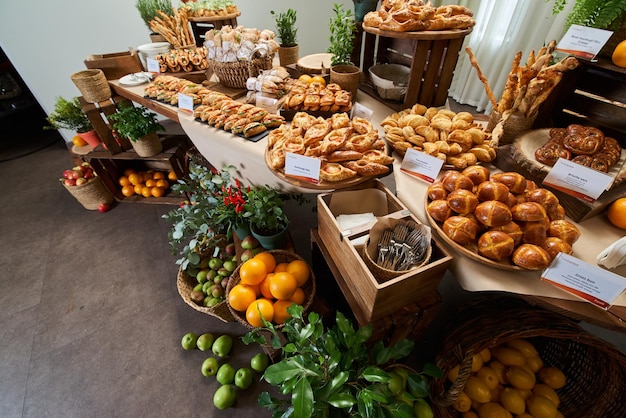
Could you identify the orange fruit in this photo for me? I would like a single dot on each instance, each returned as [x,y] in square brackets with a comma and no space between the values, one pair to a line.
[150,183]
[300,271]
[138,188]
[318,79]
[267,259]
[281,267]
[298,296]
[283,285]
[619,55]
[157,191]
[306,78]
[162,183]
[78,141]
[241,296]
[135,178]
[128,190]
[252,271]
[264,286]
[617,213]
[146,191]
[158,175]
[172,176]
[257,309]
[129,171]
[280,311]
[123,181]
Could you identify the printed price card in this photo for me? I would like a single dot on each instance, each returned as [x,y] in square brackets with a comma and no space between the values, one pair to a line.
[593,284]
[583,42]
[153,65]
[577,180]
[362,111]
[185,103]
[302,167]
[421,165]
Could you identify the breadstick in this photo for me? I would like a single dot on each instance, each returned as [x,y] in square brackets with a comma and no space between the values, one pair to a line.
[531,58]
[552,78]
[481,76]
[508,95]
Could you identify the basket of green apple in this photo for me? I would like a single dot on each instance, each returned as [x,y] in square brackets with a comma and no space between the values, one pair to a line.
[202,281]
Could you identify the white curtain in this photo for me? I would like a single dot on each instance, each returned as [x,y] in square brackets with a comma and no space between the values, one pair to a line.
[502,28]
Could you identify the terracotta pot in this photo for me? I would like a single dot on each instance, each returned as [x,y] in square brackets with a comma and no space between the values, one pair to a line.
[288,55]
[148,146]
[90,137]
[348,76]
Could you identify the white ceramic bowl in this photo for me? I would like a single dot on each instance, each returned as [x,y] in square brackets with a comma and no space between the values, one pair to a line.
[151,50]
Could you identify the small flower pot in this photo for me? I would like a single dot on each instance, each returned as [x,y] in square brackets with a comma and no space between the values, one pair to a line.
[90,137]
[288,55]
[347,76]
[148,146]
[271,242]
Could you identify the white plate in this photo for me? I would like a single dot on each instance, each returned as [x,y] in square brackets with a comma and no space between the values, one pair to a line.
[136,79]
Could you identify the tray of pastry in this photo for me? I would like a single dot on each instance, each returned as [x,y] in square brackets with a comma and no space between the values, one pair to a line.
[316,98]
[350,150]
[538,150]
[499,219]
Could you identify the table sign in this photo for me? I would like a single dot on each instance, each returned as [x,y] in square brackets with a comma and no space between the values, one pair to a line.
[185,103]
[577,180]
[362,111]
[593,284]
[583,42]
[302,167]
[421,165]
[153,65]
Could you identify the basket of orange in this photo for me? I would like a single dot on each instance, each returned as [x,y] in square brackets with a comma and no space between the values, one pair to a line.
[504,357]
[265,285]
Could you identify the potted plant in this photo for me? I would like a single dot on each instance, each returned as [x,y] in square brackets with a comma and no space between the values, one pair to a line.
[148,11]
[288,52]
[140,126]
[333,372]
[268,220]
[342,34]
[69,115]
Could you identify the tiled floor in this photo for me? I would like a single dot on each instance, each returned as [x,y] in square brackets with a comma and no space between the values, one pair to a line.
[90,318]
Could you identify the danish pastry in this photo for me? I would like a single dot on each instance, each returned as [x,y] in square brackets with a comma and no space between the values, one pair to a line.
[334,172]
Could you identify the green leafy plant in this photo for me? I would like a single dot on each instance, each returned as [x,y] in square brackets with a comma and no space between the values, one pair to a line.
[148,9]
[68,114]
[342,28]
[285,27]
[331,372]
[265,210]
[601,14]
[135,122]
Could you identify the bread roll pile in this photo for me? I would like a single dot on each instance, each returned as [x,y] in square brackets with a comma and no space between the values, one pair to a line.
[584,145]
[315,97]
[451,137]
[209,9]
[416,15]
[501,216]
[347,148]
[183,60]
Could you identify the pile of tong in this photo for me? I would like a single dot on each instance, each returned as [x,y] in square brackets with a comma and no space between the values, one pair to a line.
[403,246]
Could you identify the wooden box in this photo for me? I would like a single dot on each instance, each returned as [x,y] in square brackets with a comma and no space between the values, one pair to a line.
[115,65]
[369,299]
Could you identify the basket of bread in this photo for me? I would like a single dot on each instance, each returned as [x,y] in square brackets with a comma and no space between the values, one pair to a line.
[499,219]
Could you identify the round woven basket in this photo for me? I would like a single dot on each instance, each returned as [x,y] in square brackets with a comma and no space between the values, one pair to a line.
[91,194]
[93,85]
[513,127]
[235,74]
[595,370]
[148,146]
[281,256]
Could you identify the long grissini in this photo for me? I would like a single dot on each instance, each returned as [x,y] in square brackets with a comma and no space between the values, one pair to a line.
[508,95]
[481,76]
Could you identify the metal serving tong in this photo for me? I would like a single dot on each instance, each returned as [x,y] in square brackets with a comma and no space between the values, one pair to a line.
[403,246]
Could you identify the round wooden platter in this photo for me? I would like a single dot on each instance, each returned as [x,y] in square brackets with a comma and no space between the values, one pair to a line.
[469,250]
[215,18]
[322,185]
[314,64]
[420,35]
[523,153]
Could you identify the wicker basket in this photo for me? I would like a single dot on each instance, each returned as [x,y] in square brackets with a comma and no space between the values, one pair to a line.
[281,256]
[235,74]
[595,370]
[91,194]
[93,85]
[185,284]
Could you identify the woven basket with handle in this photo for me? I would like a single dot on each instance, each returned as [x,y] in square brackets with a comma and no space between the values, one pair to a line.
[235,74]
[594,369]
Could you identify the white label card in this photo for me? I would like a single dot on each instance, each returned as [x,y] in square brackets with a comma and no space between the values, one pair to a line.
[421,165]
[153,65]
[583,42]
[593,284]
[577,180]
[362,111]
[185,103]
[302,167]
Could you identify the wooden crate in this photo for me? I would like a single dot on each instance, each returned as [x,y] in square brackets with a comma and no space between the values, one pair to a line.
[98,114]
[369,299]
[115,65]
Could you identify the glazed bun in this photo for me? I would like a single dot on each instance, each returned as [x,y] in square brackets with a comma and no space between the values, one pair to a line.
[534,232]
[544,197]
[495,245]
[514,181]
[513,230]
[462,201]
[461,229]
[439,210]
[554,246]
[531,257]
[453,180]
[529,212]
[492,190]
[477,173]
[436,191]
[565,230]
[493,213]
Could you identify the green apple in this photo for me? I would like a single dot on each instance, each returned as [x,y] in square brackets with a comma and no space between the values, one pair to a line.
[205,341]
[224,397]
[243,378]
[211,275]
[249,243]
[225,374]
[197,297]
[222,345]
[211,301]
[210,366]
[206,285]
[202,275]
[230,265]
[189,341]
[259,362]
[198,287]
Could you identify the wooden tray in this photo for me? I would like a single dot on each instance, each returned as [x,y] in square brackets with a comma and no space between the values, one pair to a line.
[471,249]
[214,18]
